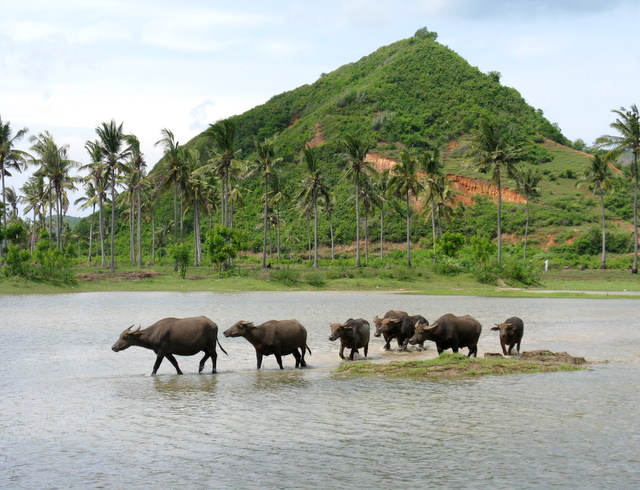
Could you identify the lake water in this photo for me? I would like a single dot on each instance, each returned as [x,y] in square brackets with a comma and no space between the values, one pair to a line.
[74,414]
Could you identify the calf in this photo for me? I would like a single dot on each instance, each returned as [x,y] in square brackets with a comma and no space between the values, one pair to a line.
[511,331]
[352,334]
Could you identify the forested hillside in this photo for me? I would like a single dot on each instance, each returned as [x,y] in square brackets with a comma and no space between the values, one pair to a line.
[384,157]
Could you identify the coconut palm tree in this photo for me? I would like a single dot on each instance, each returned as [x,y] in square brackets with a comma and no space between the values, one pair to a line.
[405,183]
[430,164]
[627,124]
[600,179]
[357,169]
[34,199]
[382,183]
[313,188]
[371,199]
[265,163]
[197,193]
[497,153]
[174,172]
[56,167]
[115,152]
[136,175]
[527,181]
[223,155]
[10,159]
[96,187]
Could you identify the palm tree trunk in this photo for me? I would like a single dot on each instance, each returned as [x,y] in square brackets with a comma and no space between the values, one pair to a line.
[634,269]
[132,238]
[366,236]
[603,260]
[93,212]
[139,216]
[499,223]
[59,220]
[357,225]
[408,232]
[381,232]
[265,219]
[278,233]
[196,236]
[526,228]
[113,225]
[101,227]
[433,228]
[153,238]
[333,248]
[315,234]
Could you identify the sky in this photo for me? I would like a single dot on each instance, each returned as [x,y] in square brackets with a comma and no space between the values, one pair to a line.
[68,66]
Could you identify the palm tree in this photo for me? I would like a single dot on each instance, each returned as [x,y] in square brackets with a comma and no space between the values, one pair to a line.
[115,152]
[197,192]
[405,183]
[96,183]
[10,159]
[497,154]
[136,174]
[371,198]
[34,198]
[429,163]
[527,184]
[223,155]
[627,124]
[382,183]
[312,189]
[56,167]
[279,196]
[357,169]
[174,172]
[265,162]
[600,179]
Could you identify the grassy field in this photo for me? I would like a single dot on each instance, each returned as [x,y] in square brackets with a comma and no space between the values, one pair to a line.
[555,282]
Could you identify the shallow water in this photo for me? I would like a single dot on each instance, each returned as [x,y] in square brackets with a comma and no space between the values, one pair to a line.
[74,414]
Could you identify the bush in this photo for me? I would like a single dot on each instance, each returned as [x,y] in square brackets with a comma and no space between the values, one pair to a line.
[287,277]
[516,270]
[448,266]
[181,253]
[315,279]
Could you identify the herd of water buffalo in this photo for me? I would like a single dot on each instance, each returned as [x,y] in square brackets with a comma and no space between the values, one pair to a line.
[188,336]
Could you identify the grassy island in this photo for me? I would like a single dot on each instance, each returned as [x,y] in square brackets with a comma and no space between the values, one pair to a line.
[457,366]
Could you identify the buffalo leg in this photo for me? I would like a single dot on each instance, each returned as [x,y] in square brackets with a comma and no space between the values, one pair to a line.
[366,351]
[473,350]
[341,354]
[279,359]
[204,359]
[259,359]
[303,363]
[504,349]
[214,359]
[156,365]
[173,361]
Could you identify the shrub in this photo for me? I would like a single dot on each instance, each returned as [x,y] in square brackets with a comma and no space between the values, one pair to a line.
[287,277]
[181,253]
[315,279]
[519,270]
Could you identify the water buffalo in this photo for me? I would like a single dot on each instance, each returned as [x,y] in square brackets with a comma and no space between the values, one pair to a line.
[179,336]
[450,332]
[511,331]
[277,337]
[402,328]
[352,334]
[387,331]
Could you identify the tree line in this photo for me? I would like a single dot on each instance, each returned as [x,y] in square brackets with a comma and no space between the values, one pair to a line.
[205,183]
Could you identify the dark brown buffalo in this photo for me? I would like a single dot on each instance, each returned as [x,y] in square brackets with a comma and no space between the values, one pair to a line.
[277,337]
[175,336]
[353,334]
[387,331]
[511,331]
[402,328]
[450,332]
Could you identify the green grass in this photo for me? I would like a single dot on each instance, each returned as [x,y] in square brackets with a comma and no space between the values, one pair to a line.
[571,282]
[454,366]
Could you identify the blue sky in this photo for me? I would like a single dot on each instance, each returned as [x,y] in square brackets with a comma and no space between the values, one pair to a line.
[67,66]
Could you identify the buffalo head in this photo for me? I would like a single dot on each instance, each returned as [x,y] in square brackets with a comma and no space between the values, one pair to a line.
[126,339]
[507,330]
[341,329]
[238,329]
[422,332]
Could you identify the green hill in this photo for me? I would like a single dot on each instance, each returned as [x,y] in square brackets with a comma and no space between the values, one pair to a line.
[416,94]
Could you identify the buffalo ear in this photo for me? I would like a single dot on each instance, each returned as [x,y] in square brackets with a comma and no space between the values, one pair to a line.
[497,327]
